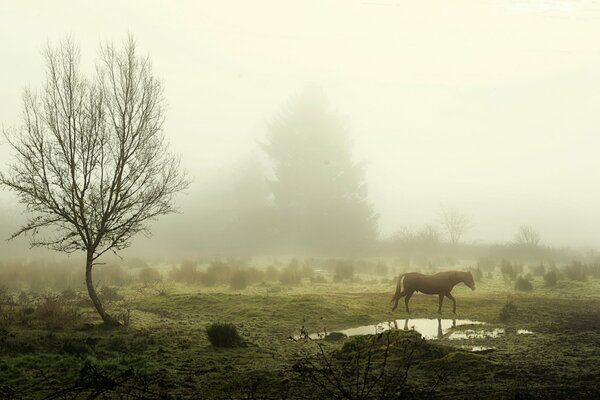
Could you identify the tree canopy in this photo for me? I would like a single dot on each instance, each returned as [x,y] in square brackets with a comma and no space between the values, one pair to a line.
[319,191]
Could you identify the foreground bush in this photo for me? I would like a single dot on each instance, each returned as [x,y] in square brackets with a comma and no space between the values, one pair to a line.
[223,335]
[523,284]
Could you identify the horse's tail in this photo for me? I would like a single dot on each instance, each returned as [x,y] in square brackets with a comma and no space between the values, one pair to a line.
[396,296]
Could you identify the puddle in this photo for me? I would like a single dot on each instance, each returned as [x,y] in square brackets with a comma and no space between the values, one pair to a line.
[479,349]
[524,332]
[428,328]
[476,334]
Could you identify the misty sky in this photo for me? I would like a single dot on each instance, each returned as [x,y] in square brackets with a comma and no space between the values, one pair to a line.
[489,107]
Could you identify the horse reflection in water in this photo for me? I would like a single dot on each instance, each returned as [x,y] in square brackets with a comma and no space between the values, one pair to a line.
[441,284]
[440,331]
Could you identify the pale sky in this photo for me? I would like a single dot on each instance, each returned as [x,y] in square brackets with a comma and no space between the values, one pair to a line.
[489,107]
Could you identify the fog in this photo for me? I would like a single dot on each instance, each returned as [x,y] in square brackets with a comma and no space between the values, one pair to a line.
[489,108]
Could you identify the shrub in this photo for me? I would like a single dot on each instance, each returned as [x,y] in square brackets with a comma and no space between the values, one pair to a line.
[551,277]
[223,335]
[507,270]
[149,276]
[113,275]
[186,272]
[238,280]
[523,283]
[271,273]
[55,311]
[381,269]
[291,275]
[108,293]
[507,311]
[486,264]
[344,271]
[576,271]
[216,273]
[538,270]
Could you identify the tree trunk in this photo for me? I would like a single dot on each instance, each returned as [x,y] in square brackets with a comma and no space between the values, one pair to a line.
[108,320]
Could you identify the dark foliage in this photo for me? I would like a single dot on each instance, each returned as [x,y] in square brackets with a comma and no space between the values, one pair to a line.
[223,335]
[522,283]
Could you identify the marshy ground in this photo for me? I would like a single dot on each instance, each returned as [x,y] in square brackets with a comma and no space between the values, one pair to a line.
[547,341]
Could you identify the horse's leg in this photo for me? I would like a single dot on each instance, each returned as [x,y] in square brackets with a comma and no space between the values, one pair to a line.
[448,295]
[406,299]
[441,301]
[401,295]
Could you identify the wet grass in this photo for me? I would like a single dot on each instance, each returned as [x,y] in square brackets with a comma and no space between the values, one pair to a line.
[167,340]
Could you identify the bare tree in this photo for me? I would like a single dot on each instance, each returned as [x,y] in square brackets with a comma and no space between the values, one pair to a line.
[527,236]
[455,224]
[91,162]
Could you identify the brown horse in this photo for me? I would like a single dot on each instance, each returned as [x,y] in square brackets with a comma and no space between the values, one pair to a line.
[440,284]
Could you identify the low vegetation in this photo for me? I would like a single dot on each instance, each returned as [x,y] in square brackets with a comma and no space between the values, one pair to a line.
[171,343]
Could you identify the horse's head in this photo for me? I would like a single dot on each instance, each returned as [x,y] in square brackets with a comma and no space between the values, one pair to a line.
[469,281]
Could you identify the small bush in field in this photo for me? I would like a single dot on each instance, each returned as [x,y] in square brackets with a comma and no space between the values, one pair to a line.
[54,310]
[507,311]
[149,276]
[108,293]
[509,272]
[538,270]
[344,271]
[271,274]
[291,274]
[223,335]
[523,284]
[238,281]
[551,278]
[186,272]
[576,271]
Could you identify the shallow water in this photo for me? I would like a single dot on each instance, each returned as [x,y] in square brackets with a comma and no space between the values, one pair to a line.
[476,334]
[428,328]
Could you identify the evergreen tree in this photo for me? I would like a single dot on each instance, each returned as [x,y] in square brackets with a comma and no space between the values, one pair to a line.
[319,191]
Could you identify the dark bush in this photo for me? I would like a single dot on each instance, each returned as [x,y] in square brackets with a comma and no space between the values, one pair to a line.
[522,283]
[344,271]
[223,335]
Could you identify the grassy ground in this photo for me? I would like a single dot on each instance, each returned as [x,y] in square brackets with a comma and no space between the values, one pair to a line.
[166,341]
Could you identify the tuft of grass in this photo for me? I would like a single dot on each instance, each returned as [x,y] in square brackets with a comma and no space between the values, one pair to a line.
[222,334]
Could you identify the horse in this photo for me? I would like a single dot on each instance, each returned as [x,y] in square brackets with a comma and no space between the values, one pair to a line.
[440,284]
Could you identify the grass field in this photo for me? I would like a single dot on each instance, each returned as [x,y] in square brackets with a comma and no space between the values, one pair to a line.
[165,348]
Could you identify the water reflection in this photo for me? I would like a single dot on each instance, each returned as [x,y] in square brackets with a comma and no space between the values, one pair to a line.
[428,328]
